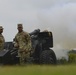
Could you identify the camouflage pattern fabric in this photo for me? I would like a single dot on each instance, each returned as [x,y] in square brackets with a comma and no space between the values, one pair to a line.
[23,41]
[2,40]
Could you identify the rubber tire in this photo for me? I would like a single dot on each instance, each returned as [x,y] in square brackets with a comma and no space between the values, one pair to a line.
[48,57]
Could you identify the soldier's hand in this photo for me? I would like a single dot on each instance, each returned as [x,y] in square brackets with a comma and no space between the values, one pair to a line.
[16,45]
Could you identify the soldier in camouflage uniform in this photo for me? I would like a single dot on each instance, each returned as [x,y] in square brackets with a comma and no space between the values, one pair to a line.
[2,40]
[23,42]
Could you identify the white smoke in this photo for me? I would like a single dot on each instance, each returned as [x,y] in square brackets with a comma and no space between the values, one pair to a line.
[58,16]
[61,20]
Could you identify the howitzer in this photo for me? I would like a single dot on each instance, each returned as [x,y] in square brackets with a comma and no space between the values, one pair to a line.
[35,32]
[9,54]
[42,42]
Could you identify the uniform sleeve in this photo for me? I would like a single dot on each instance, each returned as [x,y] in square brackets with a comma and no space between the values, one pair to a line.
[15,42]
[1,40]
[28,38]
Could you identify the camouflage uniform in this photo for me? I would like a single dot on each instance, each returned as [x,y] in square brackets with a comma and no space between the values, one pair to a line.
[2,40]
[23,41]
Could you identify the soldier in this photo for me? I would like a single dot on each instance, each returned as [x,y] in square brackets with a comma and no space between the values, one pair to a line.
[2,40]
[23,43]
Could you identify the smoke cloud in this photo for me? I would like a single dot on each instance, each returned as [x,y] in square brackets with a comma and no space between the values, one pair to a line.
[61,20]
[58,16]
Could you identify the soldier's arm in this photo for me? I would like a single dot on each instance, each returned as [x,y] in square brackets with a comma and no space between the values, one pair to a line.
[15,42]
[28,38]
[29,44]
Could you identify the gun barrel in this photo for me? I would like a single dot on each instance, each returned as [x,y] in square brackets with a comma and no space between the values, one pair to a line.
[35,32]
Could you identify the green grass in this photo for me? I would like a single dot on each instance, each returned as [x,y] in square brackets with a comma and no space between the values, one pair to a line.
[38,70]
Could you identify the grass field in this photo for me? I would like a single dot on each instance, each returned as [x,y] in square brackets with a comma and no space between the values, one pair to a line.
[38,70]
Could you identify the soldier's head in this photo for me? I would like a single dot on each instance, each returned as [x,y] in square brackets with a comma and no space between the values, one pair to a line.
[1,29]
[20,27]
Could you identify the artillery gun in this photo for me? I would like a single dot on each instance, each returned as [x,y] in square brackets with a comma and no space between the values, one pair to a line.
[41,52]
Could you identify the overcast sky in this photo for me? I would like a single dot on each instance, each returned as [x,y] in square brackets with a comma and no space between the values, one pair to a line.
[59,16]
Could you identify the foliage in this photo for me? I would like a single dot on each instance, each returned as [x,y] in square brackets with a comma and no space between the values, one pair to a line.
[62,61]
[72,58]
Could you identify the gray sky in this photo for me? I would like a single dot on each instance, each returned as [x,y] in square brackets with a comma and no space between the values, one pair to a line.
[59,16]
